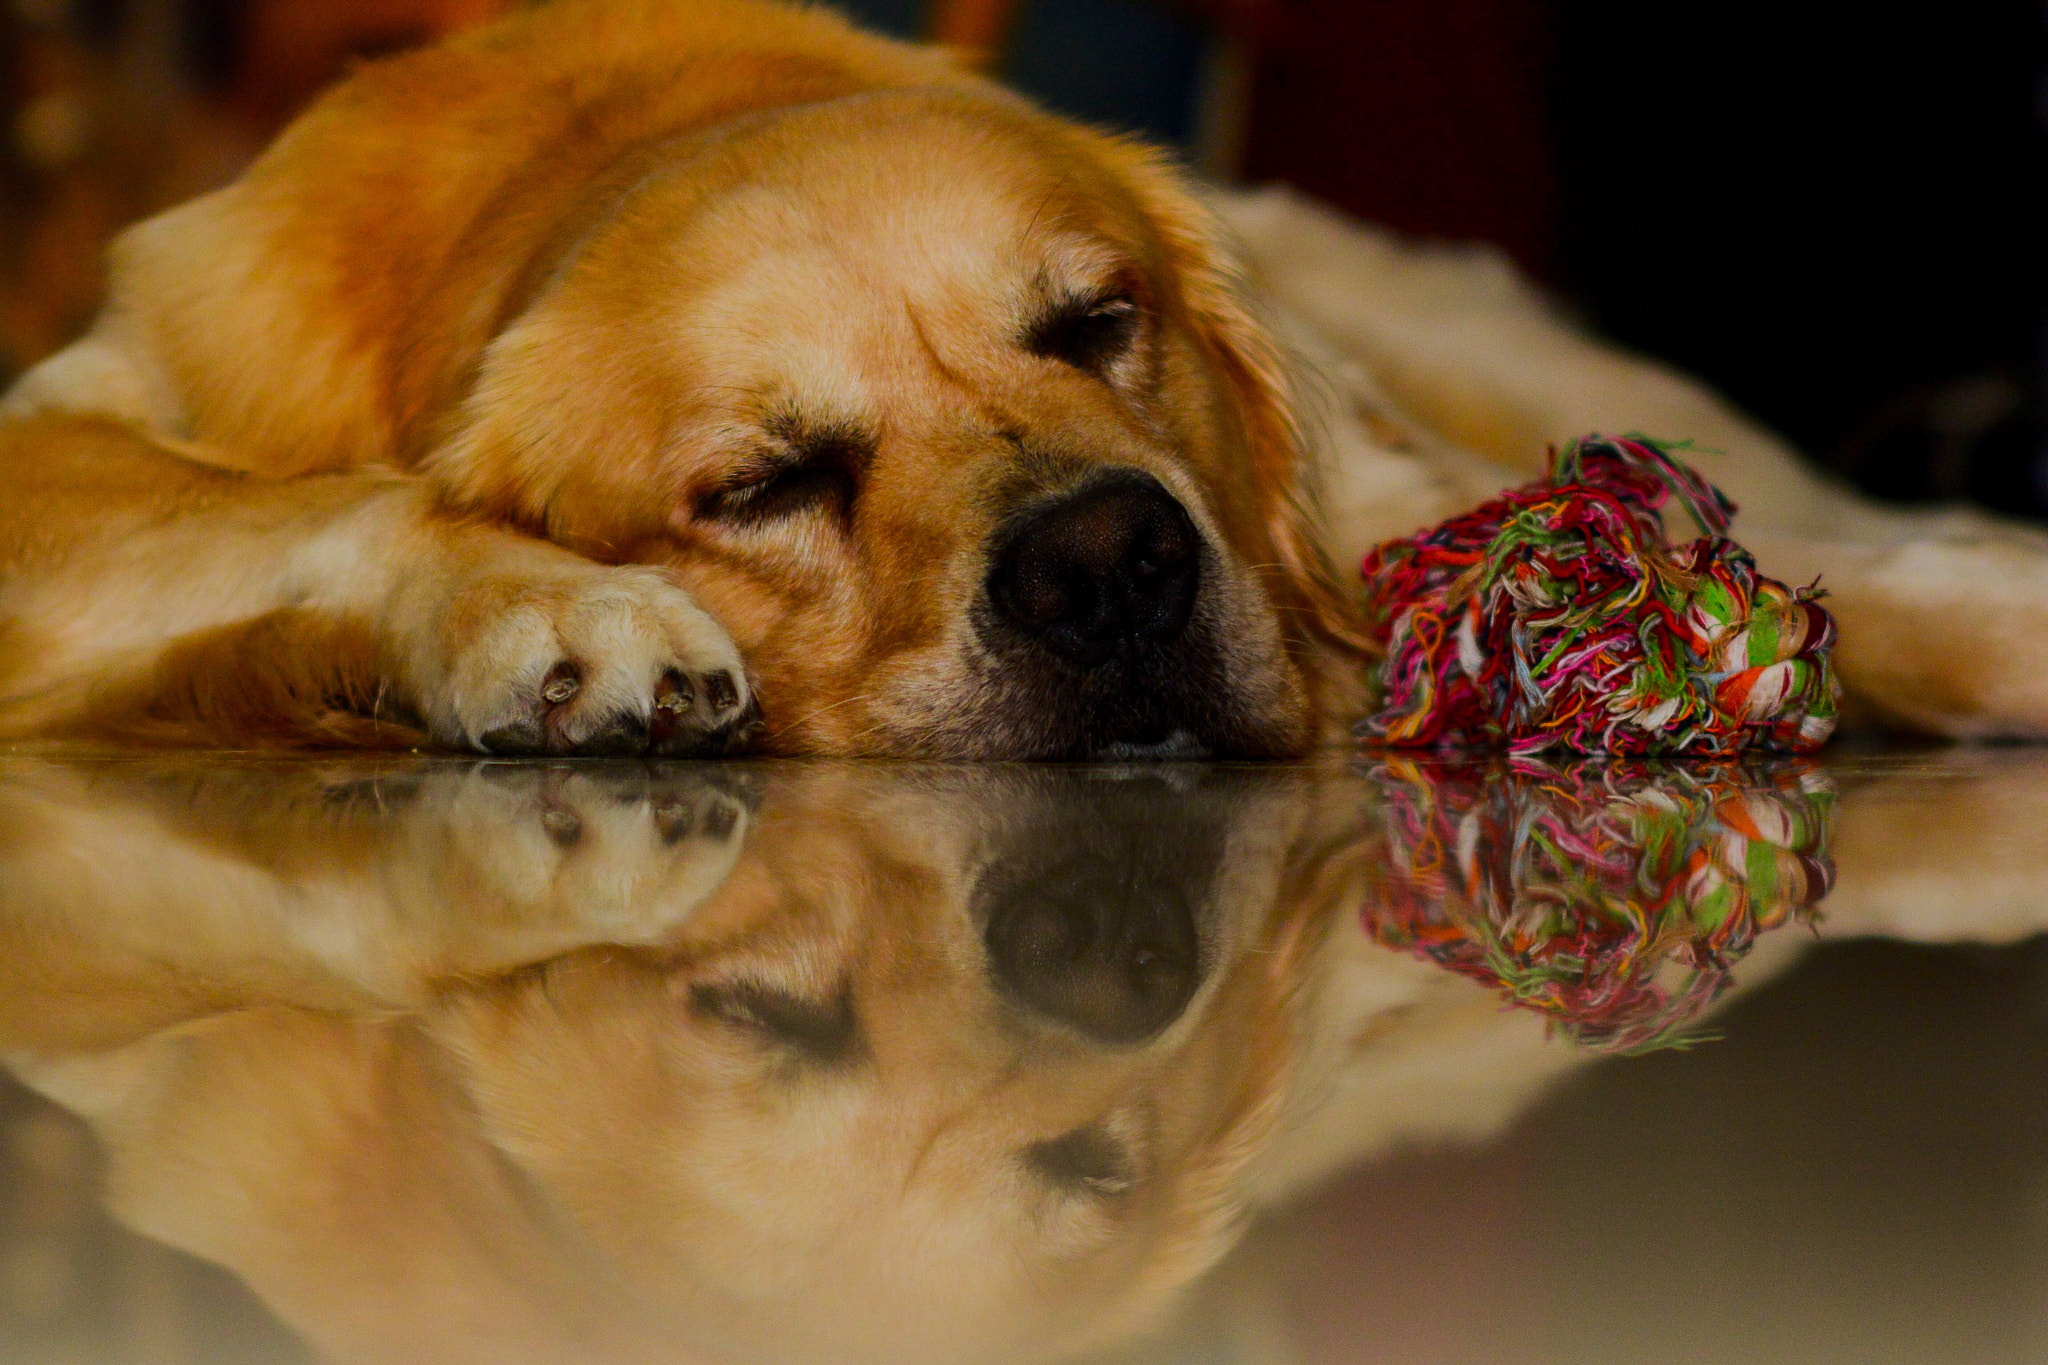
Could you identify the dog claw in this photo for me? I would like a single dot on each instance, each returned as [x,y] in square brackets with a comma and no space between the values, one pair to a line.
[683,729]
[722,691]
[689,714]
[564,827]
[673,695]
[720,821]
[674,820]
[564,681]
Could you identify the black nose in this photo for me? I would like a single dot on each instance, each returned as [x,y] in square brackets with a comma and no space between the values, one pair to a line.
[1092,898]
[1110,569]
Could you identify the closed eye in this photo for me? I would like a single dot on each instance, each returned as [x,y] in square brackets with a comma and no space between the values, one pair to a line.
[825,1032]
[1089,333]
[812,470]
[779,491]
[1090,1161]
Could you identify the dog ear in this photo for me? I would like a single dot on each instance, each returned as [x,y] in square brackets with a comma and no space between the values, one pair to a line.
[331,307]
[323,310]
[1325,623]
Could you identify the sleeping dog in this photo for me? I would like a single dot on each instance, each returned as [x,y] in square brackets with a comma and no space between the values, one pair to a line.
[671,376]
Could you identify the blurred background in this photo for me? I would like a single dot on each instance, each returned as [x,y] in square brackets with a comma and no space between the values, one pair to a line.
[1836,214]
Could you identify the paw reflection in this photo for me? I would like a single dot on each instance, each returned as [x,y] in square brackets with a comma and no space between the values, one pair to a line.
[624,851]
[1613,900]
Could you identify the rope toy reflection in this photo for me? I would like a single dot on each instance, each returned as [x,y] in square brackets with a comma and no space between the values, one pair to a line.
[1614,900]
[1555,619]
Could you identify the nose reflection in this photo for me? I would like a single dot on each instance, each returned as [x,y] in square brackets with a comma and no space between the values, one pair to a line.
[1092,911]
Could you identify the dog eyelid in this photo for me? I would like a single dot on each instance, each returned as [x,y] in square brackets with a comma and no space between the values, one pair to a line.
[809,468]
[1087,331]
[1089,1161]
[825,1032]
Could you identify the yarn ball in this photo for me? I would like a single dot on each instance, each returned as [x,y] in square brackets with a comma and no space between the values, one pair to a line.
[1614,899]
[1556,618]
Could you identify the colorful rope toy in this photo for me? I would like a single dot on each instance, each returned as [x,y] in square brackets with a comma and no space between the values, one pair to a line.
[1556,619]
[1614,900]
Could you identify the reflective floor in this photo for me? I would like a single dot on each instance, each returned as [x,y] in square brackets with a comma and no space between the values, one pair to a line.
[440,1061]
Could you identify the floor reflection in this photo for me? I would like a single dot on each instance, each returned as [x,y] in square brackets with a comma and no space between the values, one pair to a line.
[420,1060]
[1614,900]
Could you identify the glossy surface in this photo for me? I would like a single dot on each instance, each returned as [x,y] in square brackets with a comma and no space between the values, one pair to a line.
[424,1060]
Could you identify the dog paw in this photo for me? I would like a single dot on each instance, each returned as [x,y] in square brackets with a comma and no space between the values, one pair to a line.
[571,657]
[559,855]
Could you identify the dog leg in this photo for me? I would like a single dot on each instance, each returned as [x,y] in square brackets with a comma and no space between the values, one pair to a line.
[1944,612]
[148,595]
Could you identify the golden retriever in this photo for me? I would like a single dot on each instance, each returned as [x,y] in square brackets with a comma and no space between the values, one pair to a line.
[532,383]
[675,375]
[515,1063]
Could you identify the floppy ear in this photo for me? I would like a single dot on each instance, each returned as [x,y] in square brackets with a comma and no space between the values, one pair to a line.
[331,307]
[1323,617]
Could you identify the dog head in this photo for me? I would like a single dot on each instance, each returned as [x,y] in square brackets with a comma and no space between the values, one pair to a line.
[949,411]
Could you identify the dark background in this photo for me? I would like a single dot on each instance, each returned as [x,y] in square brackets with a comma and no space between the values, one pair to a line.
[1835,214]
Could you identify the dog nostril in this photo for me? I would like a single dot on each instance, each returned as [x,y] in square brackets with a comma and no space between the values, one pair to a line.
[1108,569]
[1037,594]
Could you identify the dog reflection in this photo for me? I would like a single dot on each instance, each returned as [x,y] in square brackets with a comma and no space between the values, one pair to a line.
[458,1063]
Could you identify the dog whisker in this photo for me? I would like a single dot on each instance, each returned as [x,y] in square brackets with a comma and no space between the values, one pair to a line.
[809,716]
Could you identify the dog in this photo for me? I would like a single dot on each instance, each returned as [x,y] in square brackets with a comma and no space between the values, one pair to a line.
[914,419]
[681,376]
[527,1063]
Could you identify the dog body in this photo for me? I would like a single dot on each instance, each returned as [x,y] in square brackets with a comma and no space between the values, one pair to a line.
[621,372]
